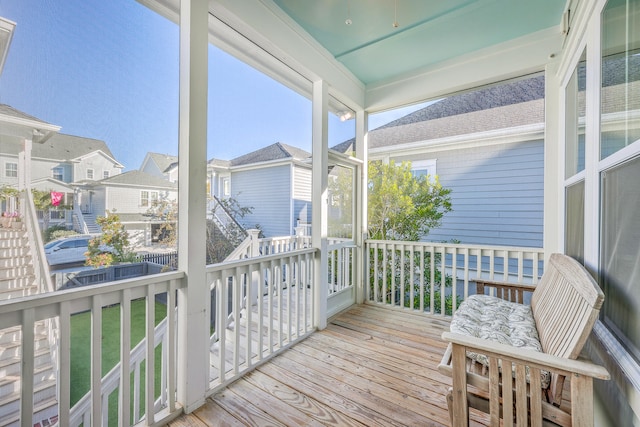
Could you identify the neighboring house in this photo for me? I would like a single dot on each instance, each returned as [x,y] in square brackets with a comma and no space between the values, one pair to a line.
[62,163]
[161,165]
[487,146]
[131,195]
[274,181]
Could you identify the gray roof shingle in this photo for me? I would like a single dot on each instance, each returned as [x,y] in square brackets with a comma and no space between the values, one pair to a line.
[275,151]
[8,110]
[140,179]
[163,161]
[511,104]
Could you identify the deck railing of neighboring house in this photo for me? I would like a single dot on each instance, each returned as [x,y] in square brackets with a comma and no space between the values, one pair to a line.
[408,274]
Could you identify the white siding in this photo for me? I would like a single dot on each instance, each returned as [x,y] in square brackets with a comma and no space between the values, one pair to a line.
[98,163]
[497,194]
[301,194]
[268,192]
[127,199]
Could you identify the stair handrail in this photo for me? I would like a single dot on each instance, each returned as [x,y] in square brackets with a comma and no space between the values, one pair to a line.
[83,224]
[42,274]
[36,244]
[228,222]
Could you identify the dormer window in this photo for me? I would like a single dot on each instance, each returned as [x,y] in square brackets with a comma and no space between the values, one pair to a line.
[57,173]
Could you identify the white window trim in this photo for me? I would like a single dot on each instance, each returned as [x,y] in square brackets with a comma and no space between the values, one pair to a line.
[6,169]
[106,174]
[429,165]
[91,172]
[53,173]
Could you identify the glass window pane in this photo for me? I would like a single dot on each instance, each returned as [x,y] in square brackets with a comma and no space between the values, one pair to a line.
[574,221]
[620,251]
[575,112]
[341,206]
[620,97]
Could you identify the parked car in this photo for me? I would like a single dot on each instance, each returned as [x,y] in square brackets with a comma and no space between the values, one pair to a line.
[69,250]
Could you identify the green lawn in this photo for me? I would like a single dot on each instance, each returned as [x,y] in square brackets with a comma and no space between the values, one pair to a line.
[81,350]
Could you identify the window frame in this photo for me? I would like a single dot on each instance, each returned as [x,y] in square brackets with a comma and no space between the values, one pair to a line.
[90,173]
[9,172]
[61,173]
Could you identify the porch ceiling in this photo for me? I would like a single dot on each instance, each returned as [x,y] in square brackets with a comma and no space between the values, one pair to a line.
[428,32]
[438,47]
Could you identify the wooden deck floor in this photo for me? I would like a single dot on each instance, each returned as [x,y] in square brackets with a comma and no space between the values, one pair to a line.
[370,367]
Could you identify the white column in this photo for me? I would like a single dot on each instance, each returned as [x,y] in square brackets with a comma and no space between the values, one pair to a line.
[362,226]
[24,164]
[194,300]
[320,156]
[553,240]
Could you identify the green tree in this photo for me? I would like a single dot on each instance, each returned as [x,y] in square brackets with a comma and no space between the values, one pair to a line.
[42,203]
[166,211]
[115,237]
[403,206]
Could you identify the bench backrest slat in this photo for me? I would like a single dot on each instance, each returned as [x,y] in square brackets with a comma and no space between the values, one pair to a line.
[565,306]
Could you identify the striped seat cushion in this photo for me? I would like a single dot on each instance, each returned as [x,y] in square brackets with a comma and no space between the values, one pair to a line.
[501,321]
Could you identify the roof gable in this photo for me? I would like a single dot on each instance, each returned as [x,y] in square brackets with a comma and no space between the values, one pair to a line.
[277,151]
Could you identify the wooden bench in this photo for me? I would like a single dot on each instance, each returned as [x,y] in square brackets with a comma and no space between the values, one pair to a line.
[564,306]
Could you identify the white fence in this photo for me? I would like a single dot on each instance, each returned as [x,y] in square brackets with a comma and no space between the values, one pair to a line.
[436,277]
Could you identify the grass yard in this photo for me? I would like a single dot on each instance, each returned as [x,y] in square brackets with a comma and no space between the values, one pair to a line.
[81,350]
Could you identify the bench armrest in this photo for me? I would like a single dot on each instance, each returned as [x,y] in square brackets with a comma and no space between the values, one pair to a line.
[513,292]
[559,365]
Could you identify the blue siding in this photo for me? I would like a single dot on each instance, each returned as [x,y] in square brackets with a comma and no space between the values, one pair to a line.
[497,194]
[268,192]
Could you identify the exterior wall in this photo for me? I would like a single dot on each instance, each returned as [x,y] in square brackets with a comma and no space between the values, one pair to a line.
[99,202]
[268,191]
[497,194]
[98,163]
[127,199]
[301,194]
[150,167]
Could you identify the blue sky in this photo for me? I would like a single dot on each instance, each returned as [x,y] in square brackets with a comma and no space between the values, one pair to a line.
[109,70]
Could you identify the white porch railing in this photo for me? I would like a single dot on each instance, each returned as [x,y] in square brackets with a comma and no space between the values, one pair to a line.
[24,312]
[436,277]
[260,307]
[80,414]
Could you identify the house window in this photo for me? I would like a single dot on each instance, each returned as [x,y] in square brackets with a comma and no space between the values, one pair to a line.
[575,119]
[89,173]
[619,173]
[11,170]
[226,187]
[105,174]
[423,168]
[147,198]
[57,173]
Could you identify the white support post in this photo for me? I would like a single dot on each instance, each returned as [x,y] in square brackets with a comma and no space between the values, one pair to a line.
[24,165]
[362,226]
[553,167]
[319,193]
[193,300]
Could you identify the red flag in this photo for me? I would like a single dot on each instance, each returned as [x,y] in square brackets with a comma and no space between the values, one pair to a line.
[56,198]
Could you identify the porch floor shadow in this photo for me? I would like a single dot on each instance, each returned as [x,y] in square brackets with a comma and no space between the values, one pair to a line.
[372,366]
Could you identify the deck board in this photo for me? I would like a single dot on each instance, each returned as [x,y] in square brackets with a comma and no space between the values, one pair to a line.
[371,366]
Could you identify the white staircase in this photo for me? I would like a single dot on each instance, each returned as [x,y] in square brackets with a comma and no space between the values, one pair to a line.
[85,223]
[17,279]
